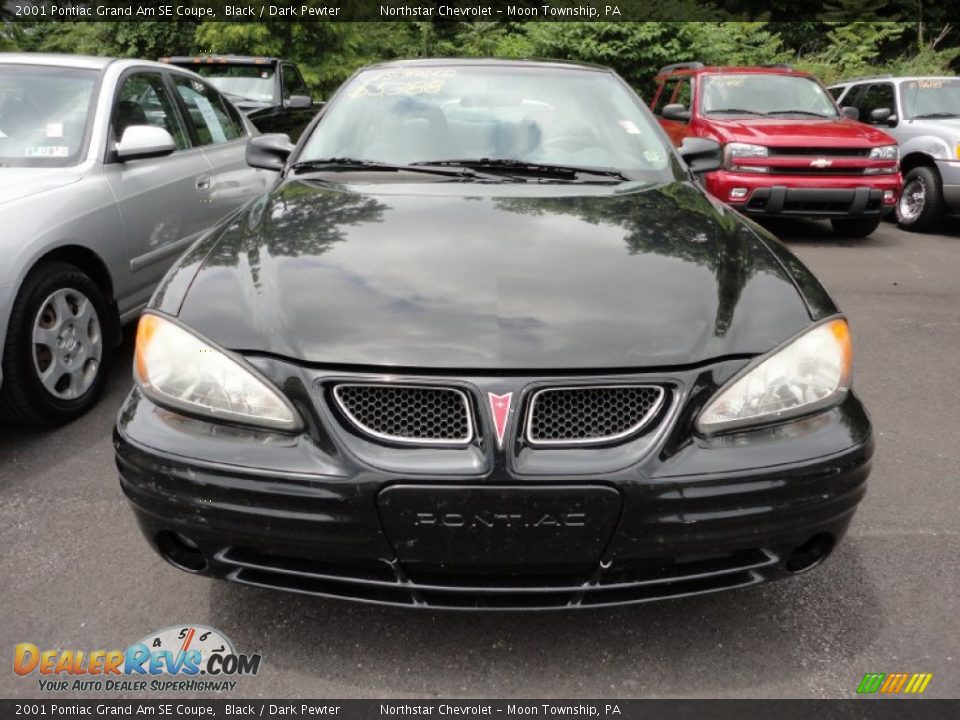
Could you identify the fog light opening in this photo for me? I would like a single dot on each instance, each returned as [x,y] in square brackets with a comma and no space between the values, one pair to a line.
[738,193]
[810,553]
[181,552]
[889,197]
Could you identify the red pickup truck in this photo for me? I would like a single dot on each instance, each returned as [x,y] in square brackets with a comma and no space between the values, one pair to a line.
[788,149]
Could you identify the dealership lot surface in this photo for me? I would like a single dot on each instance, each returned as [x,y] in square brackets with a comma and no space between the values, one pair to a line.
[78,575]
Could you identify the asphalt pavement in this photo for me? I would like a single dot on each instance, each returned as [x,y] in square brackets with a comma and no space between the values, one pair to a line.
[76,573]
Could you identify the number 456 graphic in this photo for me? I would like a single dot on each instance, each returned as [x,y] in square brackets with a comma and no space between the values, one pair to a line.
[892,683]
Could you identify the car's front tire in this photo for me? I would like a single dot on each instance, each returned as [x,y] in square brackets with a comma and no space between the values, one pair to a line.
[855,227]
[920,207]
[56,355]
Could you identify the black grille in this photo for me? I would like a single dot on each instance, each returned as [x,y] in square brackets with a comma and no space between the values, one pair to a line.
[820,151]
[591,414]
[624,583]
[407,413]
[817,171]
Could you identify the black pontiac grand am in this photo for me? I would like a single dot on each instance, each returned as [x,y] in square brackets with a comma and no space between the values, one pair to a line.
[487,344]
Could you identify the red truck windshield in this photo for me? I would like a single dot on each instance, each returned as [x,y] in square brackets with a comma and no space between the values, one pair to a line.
[764,94]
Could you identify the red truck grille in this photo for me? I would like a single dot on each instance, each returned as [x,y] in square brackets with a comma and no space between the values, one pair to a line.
[819,152]
[818,164]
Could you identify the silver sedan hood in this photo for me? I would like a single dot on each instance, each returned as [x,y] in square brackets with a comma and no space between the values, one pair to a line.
[18,182]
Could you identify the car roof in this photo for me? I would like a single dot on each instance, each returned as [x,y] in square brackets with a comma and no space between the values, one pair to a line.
[731,69]
[86,62]
[892,78]
[489,62]
[220,60]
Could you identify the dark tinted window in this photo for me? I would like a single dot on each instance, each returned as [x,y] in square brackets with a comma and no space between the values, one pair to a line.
[143,100]
[836,92]
[292,83]
[878,95]
[854,97]
[209,113]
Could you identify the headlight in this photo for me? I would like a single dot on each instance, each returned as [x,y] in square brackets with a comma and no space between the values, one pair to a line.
[810,373]
[885,152]
[744,150]
[177,368]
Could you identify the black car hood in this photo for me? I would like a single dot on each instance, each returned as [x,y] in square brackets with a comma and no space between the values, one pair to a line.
[467,275]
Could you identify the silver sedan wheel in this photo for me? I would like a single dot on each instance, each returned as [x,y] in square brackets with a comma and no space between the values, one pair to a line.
[67,344]
[912,199]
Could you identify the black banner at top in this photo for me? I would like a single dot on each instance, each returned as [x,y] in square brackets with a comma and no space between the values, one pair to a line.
[477,10]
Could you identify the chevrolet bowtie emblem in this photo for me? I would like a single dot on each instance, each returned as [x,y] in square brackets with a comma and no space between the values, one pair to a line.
[500,410]
[821,163]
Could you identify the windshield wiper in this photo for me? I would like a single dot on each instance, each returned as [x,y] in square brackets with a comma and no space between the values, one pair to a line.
[797,112]
[935,116]
[345,163]
[524,168]
[733,111]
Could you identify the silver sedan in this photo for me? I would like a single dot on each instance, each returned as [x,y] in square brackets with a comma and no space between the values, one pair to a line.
[109,170]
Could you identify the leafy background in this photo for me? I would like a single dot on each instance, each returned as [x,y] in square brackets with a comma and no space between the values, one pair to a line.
[919,40]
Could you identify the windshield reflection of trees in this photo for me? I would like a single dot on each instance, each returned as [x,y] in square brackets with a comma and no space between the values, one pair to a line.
[670,220]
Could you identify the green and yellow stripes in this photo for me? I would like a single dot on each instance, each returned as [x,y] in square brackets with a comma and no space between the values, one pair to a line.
[893,683]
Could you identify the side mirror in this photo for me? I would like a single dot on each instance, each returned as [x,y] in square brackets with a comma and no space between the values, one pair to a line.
[298,102]
[850,112]
[269,152]
[676,111]
[144,141]
[701,155]
[883,115]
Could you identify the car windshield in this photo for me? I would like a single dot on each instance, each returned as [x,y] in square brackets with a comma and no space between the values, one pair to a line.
[765,94]
[44,114]
[931,97]
[251,82]
[503,114]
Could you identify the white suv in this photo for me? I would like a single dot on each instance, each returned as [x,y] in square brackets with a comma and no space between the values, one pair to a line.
[923,114]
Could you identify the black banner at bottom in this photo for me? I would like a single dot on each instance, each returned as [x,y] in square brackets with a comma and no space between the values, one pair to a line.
[860,709]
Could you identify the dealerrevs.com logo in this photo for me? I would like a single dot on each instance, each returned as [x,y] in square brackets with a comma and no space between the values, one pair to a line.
[189,658]
[894,683]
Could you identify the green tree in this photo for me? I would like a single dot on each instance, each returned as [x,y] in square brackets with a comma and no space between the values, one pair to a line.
[148,40]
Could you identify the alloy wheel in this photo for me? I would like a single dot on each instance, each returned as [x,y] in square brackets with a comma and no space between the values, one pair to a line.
[913,199]
[67,344]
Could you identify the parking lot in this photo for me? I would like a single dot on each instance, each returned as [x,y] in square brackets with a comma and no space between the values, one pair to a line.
[78,575]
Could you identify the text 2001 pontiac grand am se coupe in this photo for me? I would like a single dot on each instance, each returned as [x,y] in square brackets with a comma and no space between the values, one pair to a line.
[487,344]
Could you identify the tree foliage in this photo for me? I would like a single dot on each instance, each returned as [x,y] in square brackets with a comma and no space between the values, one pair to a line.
[329,52]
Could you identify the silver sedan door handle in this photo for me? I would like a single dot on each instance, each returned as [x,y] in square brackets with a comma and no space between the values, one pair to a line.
[203,183]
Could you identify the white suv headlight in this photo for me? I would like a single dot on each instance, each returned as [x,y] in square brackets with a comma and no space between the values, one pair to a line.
[809,373]
[178,369]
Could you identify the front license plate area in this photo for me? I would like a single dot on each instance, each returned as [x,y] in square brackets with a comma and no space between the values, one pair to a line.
[507,526]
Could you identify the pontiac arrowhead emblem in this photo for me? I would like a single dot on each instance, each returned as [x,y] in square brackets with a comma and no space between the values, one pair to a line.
[500,410]
[821,163]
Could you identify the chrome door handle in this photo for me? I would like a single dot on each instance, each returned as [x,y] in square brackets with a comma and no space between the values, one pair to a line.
[203,182]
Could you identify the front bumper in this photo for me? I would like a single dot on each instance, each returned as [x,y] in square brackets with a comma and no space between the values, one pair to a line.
[774,195]
[486,529]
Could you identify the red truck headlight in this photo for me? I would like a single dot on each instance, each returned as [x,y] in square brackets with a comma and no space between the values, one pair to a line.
[733,151]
